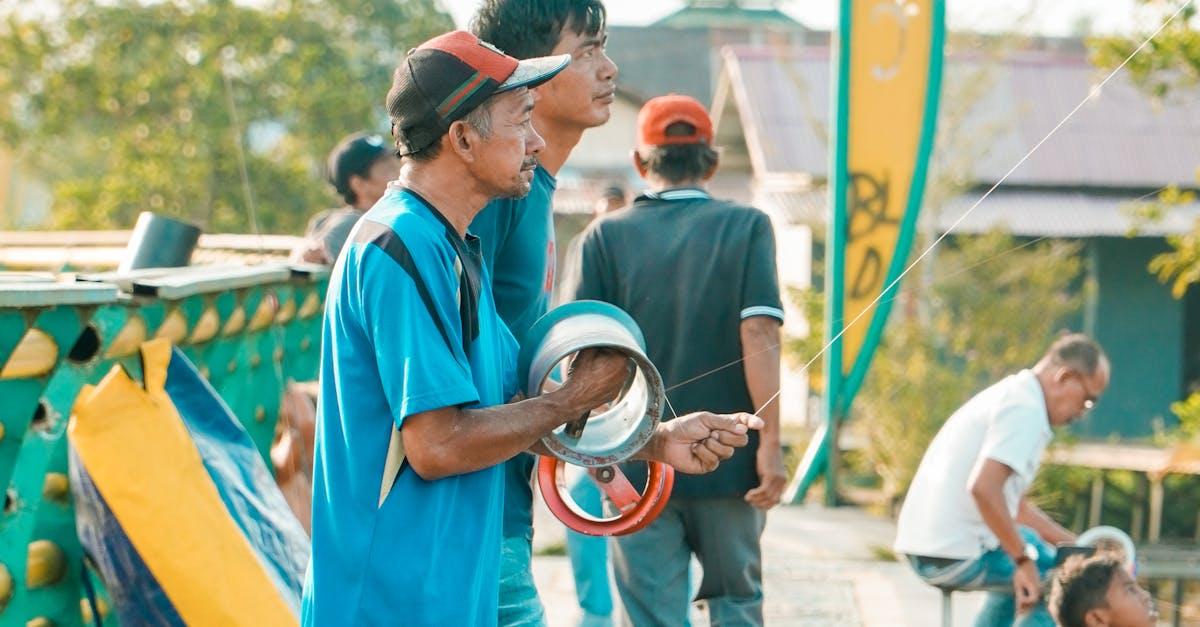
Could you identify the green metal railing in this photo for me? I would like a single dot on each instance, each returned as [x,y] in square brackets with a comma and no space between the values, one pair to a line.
[248,329]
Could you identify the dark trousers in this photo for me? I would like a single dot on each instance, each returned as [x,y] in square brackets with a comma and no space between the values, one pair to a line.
[651,566]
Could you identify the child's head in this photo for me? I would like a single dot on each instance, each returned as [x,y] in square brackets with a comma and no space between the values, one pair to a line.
[1099,592]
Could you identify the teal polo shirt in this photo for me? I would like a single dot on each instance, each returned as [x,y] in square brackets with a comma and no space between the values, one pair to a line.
[410,326]
[516,237]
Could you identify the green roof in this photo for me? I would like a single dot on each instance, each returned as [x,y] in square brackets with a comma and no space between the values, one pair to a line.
[727,14]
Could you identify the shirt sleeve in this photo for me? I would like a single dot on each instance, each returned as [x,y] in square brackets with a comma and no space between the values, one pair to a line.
[1014,439]
[760,286]
[334,232]
[410,315]
[589,279]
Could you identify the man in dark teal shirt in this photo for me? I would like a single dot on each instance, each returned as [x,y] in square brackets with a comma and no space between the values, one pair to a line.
[517,235]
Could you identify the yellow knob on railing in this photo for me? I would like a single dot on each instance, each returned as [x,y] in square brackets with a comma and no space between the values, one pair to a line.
[35,355]
[46,564]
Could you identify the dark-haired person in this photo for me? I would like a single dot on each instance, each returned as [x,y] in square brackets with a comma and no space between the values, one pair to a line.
[360,168]
[1099,592]
[966,521]
[417,367]
[698,275]
[517,234]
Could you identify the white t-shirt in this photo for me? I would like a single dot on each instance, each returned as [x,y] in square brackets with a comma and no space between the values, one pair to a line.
[1006,422]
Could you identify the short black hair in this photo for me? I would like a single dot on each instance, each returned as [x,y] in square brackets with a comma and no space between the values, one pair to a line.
[676,163]
[1081,586]
[531,28]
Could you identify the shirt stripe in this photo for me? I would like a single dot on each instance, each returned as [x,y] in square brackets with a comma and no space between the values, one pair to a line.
[683,193]
[762,310]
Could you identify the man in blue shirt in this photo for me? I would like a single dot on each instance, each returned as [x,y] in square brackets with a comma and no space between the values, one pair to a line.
[416,365]
[517,235]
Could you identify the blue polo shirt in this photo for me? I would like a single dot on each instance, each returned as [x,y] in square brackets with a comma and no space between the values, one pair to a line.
[410,326]
[516,237]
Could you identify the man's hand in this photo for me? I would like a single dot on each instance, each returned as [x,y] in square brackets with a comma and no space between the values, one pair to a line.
[696,443]
[1027,586]
[596,377]
[772,476]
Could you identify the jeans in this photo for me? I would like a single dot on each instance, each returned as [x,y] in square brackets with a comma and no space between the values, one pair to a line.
[589,559]
[519,602]
[993,569]
[652,566]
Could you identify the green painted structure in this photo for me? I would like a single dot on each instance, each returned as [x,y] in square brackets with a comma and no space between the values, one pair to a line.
[1145,331]
[248,329]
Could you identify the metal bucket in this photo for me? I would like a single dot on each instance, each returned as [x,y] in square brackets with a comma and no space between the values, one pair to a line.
[610,434]
[159,242]
[1114,540]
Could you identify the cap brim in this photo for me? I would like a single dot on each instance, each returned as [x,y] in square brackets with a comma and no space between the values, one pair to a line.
[534,72]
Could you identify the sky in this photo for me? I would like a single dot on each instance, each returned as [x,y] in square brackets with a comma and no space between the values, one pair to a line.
[1046,17]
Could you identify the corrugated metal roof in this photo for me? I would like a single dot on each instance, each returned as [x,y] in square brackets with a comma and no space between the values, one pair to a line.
[653,61]
[1020,212]
[1059,214]
[1121,138]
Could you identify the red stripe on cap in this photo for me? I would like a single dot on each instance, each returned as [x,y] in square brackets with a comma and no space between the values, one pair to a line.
[468,87]
[480,56]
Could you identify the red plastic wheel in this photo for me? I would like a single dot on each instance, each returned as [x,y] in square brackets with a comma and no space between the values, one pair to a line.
[637,510]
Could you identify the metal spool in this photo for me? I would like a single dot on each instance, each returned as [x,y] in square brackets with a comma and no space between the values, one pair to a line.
[635,511]
[1111,539]
[613,433]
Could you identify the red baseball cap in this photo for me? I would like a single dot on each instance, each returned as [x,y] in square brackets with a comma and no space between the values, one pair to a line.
[447,77]
[659,113]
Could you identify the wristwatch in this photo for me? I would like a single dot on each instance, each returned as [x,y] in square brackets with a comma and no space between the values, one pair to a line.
[1029,554]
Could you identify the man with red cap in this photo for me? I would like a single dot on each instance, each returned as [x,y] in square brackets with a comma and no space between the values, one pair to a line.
[712,330]
[417,367]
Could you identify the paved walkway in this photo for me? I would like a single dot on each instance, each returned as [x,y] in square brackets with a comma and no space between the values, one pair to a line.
[821,568]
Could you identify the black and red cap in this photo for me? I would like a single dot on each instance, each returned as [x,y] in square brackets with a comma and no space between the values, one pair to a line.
[447,77]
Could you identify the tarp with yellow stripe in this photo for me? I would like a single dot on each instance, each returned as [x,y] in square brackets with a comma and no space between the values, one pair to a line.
[174,505]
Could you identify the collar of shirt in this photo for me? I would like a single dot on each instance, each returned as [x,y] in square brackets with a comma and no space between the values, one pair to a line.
[469,239]
[678,193]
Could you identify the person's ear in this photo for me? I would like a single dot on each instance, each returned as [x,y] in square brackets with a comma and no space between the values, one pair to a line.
[358,185]
[462,139]
[713,170]
[1097,617]
[638,163]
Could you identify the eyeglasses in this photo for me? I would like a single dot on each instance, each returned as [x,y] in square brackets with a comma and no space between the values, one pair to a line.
[1089,399]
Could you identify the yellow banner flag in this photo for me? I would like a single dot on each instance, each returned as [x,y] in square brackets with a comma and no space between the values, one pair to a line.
[894,69]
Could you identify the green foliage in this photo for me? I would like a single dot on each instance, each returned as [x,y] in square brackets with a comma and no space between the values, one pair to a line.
[1188,411]
[127,105]
[989,306]
[1169,61]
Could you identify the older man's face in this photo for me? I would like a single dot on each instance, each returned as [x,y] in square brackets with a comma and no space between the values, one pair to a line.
[507,157]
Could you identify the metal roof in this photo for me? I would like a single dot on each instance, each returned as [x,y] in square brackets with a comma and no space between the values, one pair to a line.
[1059,214]
[1022,212]
[1121,138]
[656,60]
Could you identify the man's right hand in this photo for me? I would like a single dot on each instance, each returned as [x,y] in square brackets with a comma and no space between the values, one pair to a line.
[1027,586]
[596,377]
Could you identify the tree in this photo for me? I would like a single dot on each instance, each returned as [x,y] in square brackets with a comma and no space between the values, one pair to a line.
[201,109]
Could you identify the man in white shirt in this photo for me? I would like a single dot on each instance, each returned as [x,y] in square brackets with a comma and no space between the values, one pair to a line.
[966,521]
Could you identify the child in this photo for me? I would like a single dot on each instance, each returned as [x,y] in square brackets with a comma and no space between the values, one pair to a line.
[1099,592]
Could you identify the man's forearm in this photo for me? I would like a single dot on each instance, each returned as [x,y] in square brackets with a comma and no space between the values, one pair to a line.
[1032,516]
[994,512]
[760,338]
[473,439]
